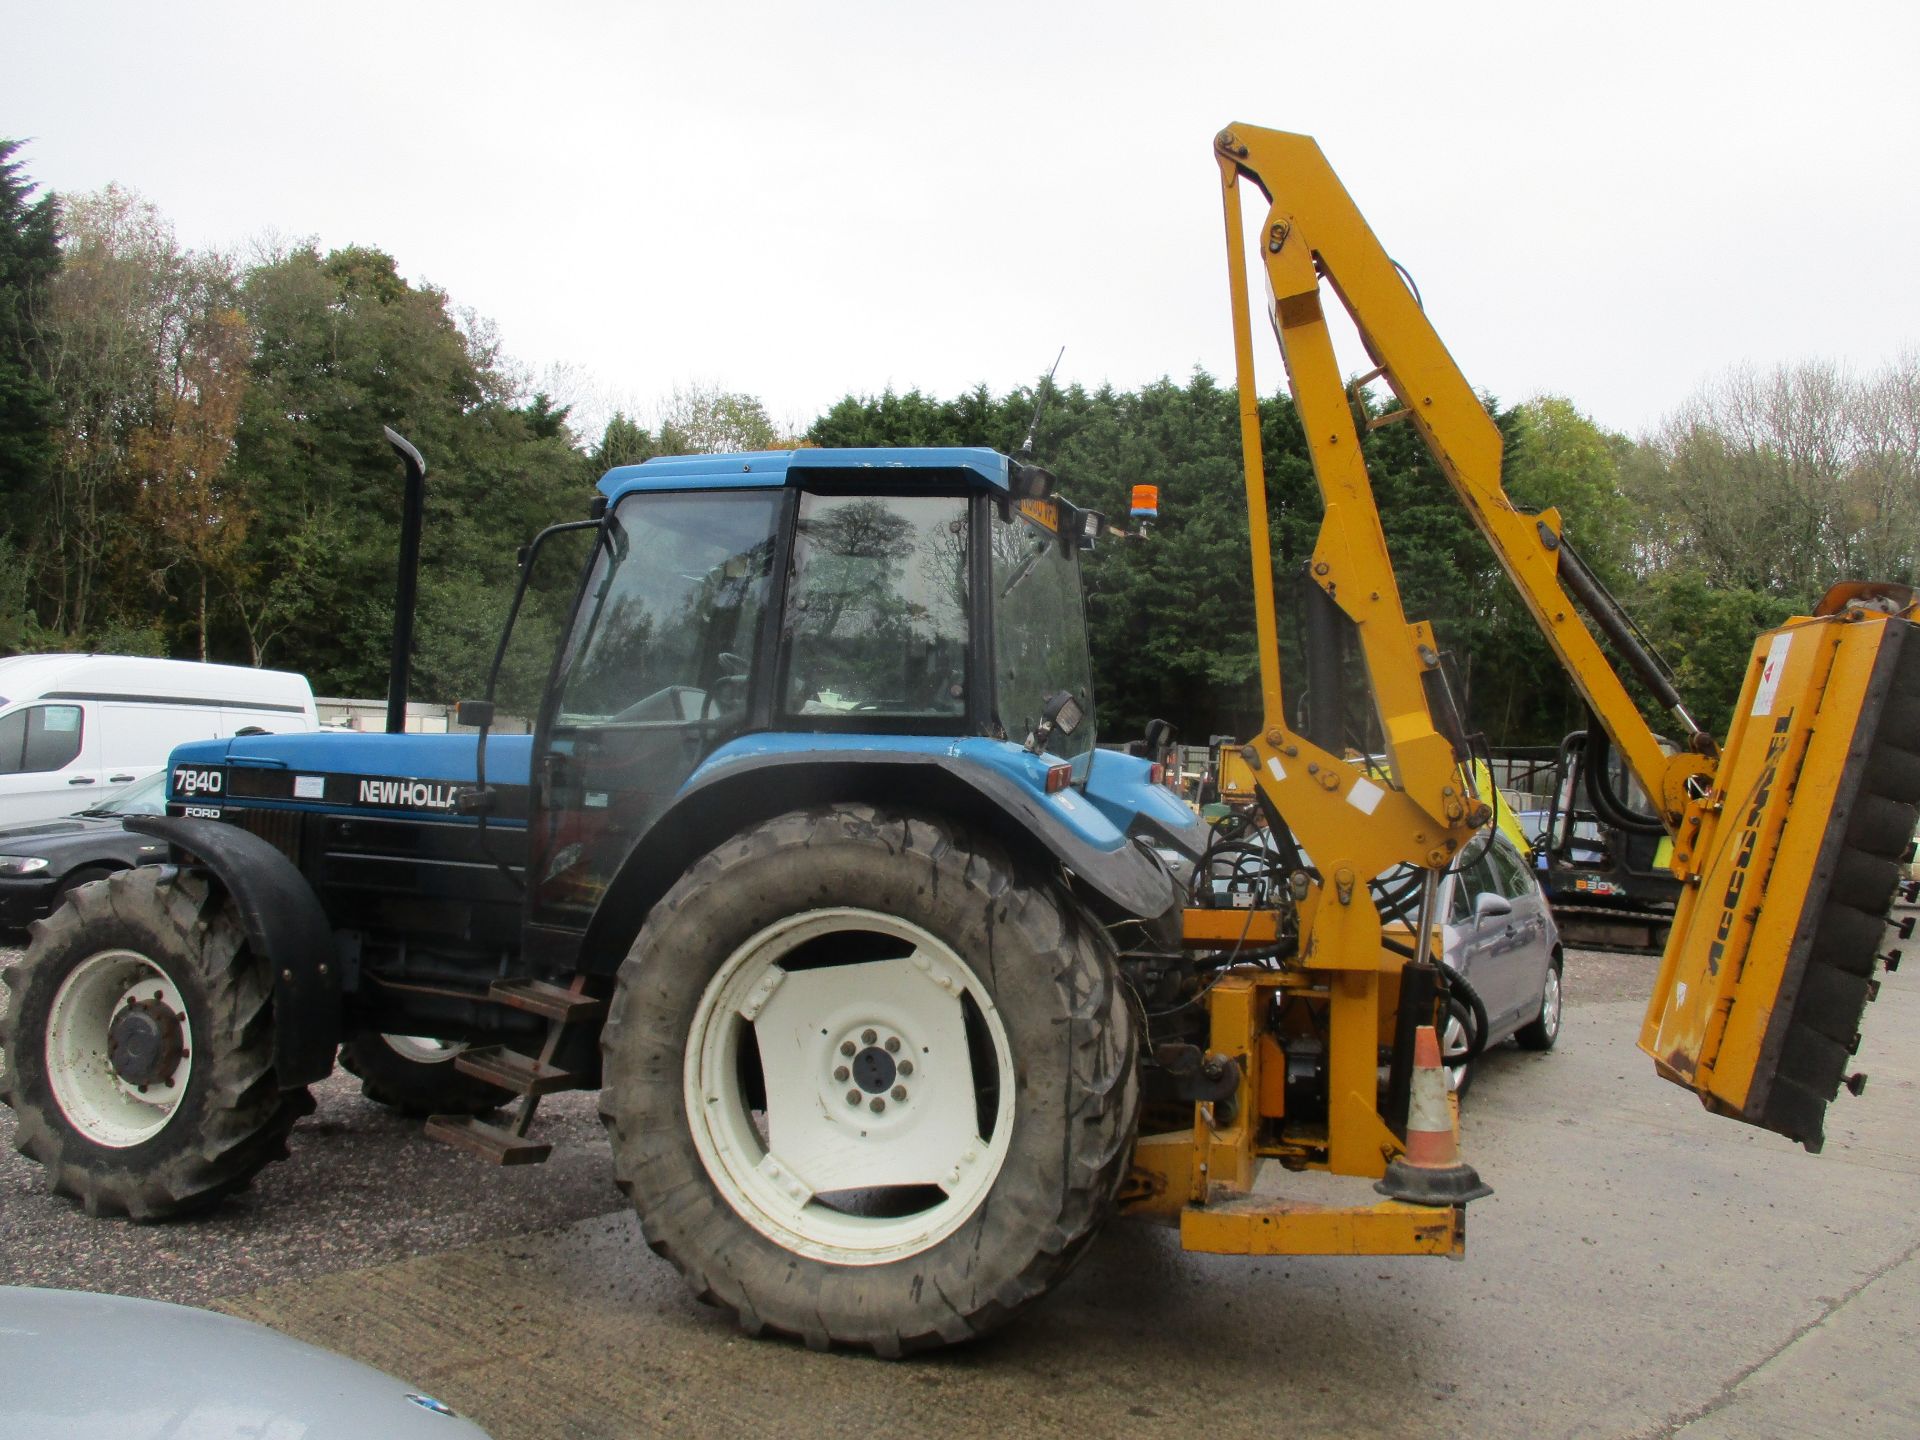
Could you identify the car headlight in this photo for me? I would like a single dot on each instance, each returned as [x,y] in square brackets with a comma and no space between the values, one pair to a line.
[21,864]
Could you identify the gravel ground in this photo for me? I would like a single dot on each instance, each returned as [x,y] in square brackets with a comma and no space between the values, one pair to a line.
[364,1187]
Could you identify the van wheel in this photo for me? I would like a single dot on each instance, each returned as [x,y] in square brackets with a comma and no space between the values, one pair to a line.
[139,1049]
[414,1074]
[866,1084]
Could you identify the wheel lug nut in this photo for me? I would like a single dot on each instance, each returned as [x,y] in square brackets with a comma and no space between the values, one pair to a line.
[906,1067]
[853,1097]
[840,1072]
[893,1044]
[899,1092]
[869,1036]
[846,1047]
[877,1105]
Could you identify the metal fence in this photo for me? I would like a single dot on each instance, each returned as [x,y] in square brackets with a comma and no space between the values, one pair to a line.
[423,717]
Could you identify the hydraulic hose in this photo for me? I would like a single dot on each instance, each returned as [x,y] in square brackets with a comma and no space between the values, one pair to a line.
[1457,984]
[1611,809]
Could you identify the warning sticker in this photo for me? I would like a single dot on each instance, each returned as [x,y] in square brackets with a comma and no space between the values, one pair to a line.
[1365,796]
[1770,674]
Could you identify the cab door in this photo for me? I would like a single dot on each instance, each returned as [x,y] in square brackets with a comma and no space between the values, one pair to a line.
[661,667]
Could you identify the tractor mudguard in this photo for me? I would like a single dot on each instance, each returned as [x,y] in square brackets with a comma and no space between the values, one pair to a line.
[753,788]
[285,925]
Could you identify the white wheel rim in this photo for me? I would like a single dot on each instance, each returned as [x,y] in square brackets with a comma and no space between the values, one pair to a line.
[97,1101]
[1453,1051]
[423,1049]
[852,1121]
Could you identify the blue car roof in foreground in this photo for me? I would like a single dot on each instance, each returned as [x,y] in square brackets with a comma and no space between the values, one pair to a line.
[914,466]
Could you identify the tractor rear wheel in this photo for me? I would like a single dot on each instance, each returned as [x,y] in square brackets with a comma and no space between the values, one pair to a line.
[414,1074]
[139,1048]
[867,1084]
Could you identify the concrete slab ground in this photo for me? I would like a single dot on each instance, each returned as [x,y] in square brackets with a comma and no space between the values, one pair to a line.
[1643,1269]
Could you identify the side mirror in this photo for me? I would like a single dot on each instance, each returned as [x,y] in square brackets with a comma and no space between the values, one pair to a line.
[1488,904]
[477,713]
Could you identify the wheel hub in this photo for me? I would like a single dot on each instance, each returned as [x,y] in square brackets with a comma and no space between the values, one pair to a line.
[873,1070]
[871,1064]
[145,1043]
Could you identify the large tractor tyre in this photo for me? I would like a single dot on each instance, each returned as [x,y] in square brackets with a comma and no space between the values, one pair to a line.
[414,1075]
[866,1084]
[139,1049]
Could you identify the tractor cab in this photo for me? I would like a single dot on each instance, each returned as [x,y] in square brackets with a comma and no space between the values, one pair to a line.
[857,610]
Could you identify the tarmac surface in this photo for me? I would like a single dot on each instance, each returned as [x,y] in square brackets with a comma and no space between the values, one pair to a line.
[1643,1269]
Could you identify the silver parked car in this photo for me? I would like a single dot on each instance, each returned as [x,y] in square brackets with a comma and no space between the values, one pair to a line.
[1499,937]
[75,1366]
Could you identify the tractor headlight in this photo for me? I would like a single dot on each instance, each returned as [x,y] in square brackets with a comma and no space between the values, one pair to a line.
[21,864]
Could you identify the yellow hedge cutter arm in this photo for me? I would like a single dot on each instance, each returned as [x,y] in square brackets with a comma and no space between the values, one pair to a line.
[1787,837]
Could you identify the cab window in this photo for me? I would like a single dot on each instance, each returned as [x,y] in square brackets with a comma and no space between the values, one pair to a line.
[39,738]
[668,628]
[876,618]
[1039,630]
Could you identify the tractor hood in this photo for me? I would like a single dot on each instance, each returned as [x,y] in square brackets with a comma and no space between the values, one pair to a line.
[347,770]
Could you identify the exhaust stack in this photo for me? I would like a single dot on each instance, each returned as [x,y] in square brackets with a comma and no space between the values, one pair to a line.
[413,507]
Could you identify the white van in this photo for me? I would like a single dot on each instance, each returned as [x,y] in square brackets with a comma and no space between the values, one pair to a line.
[76,729]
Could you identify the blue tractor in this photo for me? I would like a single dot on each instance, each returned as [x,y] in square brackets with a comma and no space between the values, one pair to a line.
[810,866]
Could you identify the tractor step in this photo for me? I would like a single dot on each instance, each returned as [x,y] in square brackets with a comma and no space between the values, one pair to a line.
[510,1070]
[550,1002]
[489,1142]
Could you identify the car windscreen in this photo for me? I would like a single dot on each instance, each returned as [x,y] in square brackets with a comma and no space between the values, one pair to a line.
[144,797]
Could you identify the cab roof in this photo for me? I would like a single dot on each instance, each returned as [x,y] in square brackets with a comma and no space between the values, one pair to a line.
[892,467]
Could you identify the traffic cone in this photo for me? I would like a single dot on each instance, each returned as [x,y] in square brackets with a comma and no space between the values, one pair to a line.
[1431,1172]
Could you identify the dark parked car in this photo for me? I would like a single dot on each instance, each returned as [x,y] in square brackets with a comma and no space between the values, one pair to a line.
[40,860]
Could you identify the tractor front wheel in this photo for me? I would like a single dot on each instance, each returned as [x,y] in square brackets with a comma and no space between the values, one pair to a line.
[866,1083]
[139,1048]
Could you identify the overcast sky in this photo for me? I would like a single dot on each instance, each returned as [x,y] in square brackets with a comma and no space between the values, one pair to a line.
[1611,201]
